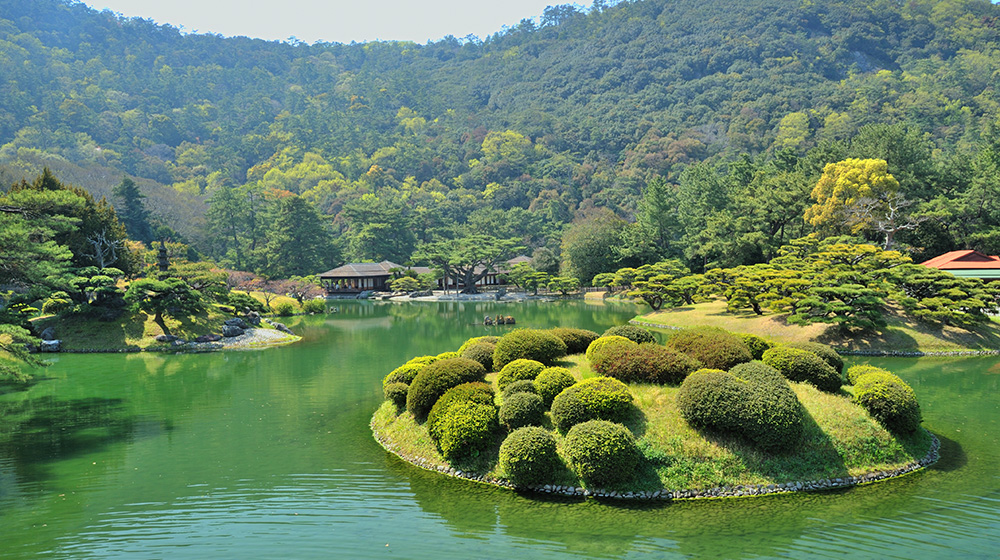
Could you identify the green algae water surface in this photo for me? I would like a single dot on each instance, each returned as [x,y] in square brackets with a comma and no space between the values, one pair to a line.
[267,453]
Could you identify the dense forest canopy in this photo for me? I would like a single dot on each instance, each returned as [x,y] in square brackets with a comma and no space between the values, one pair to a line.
[701,126]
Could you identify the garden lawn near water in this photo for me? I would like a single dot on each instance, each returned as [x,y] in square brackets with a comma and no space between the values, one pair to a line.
[839,440]
[902,334]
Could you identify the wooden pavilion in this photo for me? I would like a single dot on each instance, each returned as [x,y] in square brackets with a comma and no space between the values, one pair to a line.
[967,264]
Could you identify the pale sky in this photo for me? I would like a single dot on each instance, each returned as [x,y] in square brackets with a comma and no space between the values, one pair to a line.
[339,21]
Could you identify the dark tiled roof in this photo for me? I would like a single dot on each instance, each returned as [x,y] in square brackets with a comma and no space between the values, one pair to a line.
[361,270]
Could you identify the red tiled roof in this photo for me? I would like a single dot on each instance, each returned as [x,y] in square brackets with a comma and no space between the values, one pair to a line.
[967,259]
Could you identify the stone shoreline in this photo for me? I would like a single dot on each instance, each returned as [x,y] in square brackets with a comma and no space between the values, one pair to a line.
[873,353]
[674,495]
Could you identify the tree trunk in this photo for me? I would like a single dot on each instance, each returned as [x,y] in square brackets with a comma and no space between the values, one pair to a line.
[158,319]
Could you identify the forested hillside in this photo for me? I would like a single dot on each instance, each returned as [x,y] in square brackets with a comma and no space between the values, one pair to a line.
[694,129]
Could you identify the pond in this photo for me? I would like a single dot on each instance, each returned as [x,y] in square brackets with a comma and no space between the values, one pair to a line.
[267,453]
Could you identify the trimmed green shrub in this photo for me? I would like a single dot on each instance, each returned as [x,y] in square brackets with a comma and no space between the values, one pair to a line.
[714,348]
[481,352]
[468,429]
[636,334]
[476,392]
[597,398]
[425,360]
[828,354]
[603,453]
[314,306]
[448,355]
[647,363]
[803,365]
[757,345]
[888,399]
[854,372]
[436,378]
[528,456]
[529,344]
[242,302]
[605,342]
[576,340]
[395,393]
[522,386]
[517,370]
[403,374]
[283,308]
[520,410]
[771,413]
[475,339]
[551,381]
[709,398]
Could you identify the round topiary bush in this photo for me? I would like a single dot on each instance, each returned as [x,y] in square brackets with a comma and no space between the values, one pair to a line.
[803,365]
[475,339]
[522,386]
[528,456]
[600,344]
[475,392]
[636,334]
[602,453]
[425,360]
[529,344]
[854,372]
[576,340]
[448,355]
[771,413]
[757,345]
[521,409]
[709,398]
[434,379]
[828,354]
[481,352]
[597,398]
[518,370]
[888,399]
[403,374]
[646,362]
[467,430]
[714,348]
[396,394]
[551,381]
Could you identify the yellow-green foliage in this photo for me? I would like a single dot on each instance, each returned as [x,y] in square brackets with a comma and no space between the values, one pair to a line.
[528,456]
[803,365]
[434,379]
[521,409]
[714,348]
[477,339]
[551,381]
[403,374]
[597,398]
[468,429]
[529,344]
[518,370]
[854,372]
[606,341]
[888,399]
[603,453]
[476,392]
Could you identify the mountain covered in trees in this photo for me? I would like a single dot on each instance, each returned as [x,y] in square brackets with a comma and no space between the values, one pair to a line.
[604,137]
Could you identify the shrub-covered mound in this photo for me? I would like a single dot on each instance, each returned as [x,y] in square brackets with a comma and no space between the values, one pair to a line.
[522,386]
[520,410]
[599,345]
[529,344]
[854,372]
[601,452]
[757,344]
[482,352]
[475,392]
[828,354]
[714,348]
[528,456]
[433,380]
[803,365]
[396,393]
[476,339]
[888,399]
[551,381]
[597,398]
[636,334]
[518,370]
[403,374]
[644,363]
[576,340]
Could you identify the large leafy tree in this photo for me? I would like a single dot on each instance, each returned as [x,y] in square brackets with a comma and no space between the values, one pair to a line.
[132,210]
[589,242]
[468,259]
[298,243]
[170,297]
[842,186]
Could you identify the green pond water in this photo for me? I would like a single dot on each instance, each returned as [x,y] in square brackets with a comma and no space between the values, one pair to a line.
[267,453]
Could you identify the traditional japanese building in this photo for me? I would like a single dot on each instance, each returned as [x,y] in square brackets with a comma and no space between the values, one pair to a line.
[354,278]
[967,264]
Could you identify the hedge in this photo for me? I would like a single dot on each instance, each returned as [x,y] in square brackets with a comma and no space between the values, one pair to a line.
[476,392]
[576,340]
[433,380]
[468,430]
[597,398]
[551,381]
[600,344]
[530,344]
[828,354]
[854,372]
[805,366]
[520,410]
[482,352]
[602,453]
[646,363]
[518,370]
[636,334]
[888,399]
[714,348]
[528,456]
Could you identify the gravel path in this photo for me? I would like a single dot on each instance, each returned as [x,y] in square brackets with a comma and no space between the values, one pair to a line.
[251,338]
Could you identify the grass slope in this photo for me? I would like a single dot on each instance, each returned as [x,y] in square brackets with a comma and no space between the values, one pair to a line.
[902,334]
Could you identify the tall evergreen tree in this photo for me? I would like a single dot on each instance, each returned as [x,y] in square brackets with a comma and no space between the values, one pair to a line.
[132,211]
